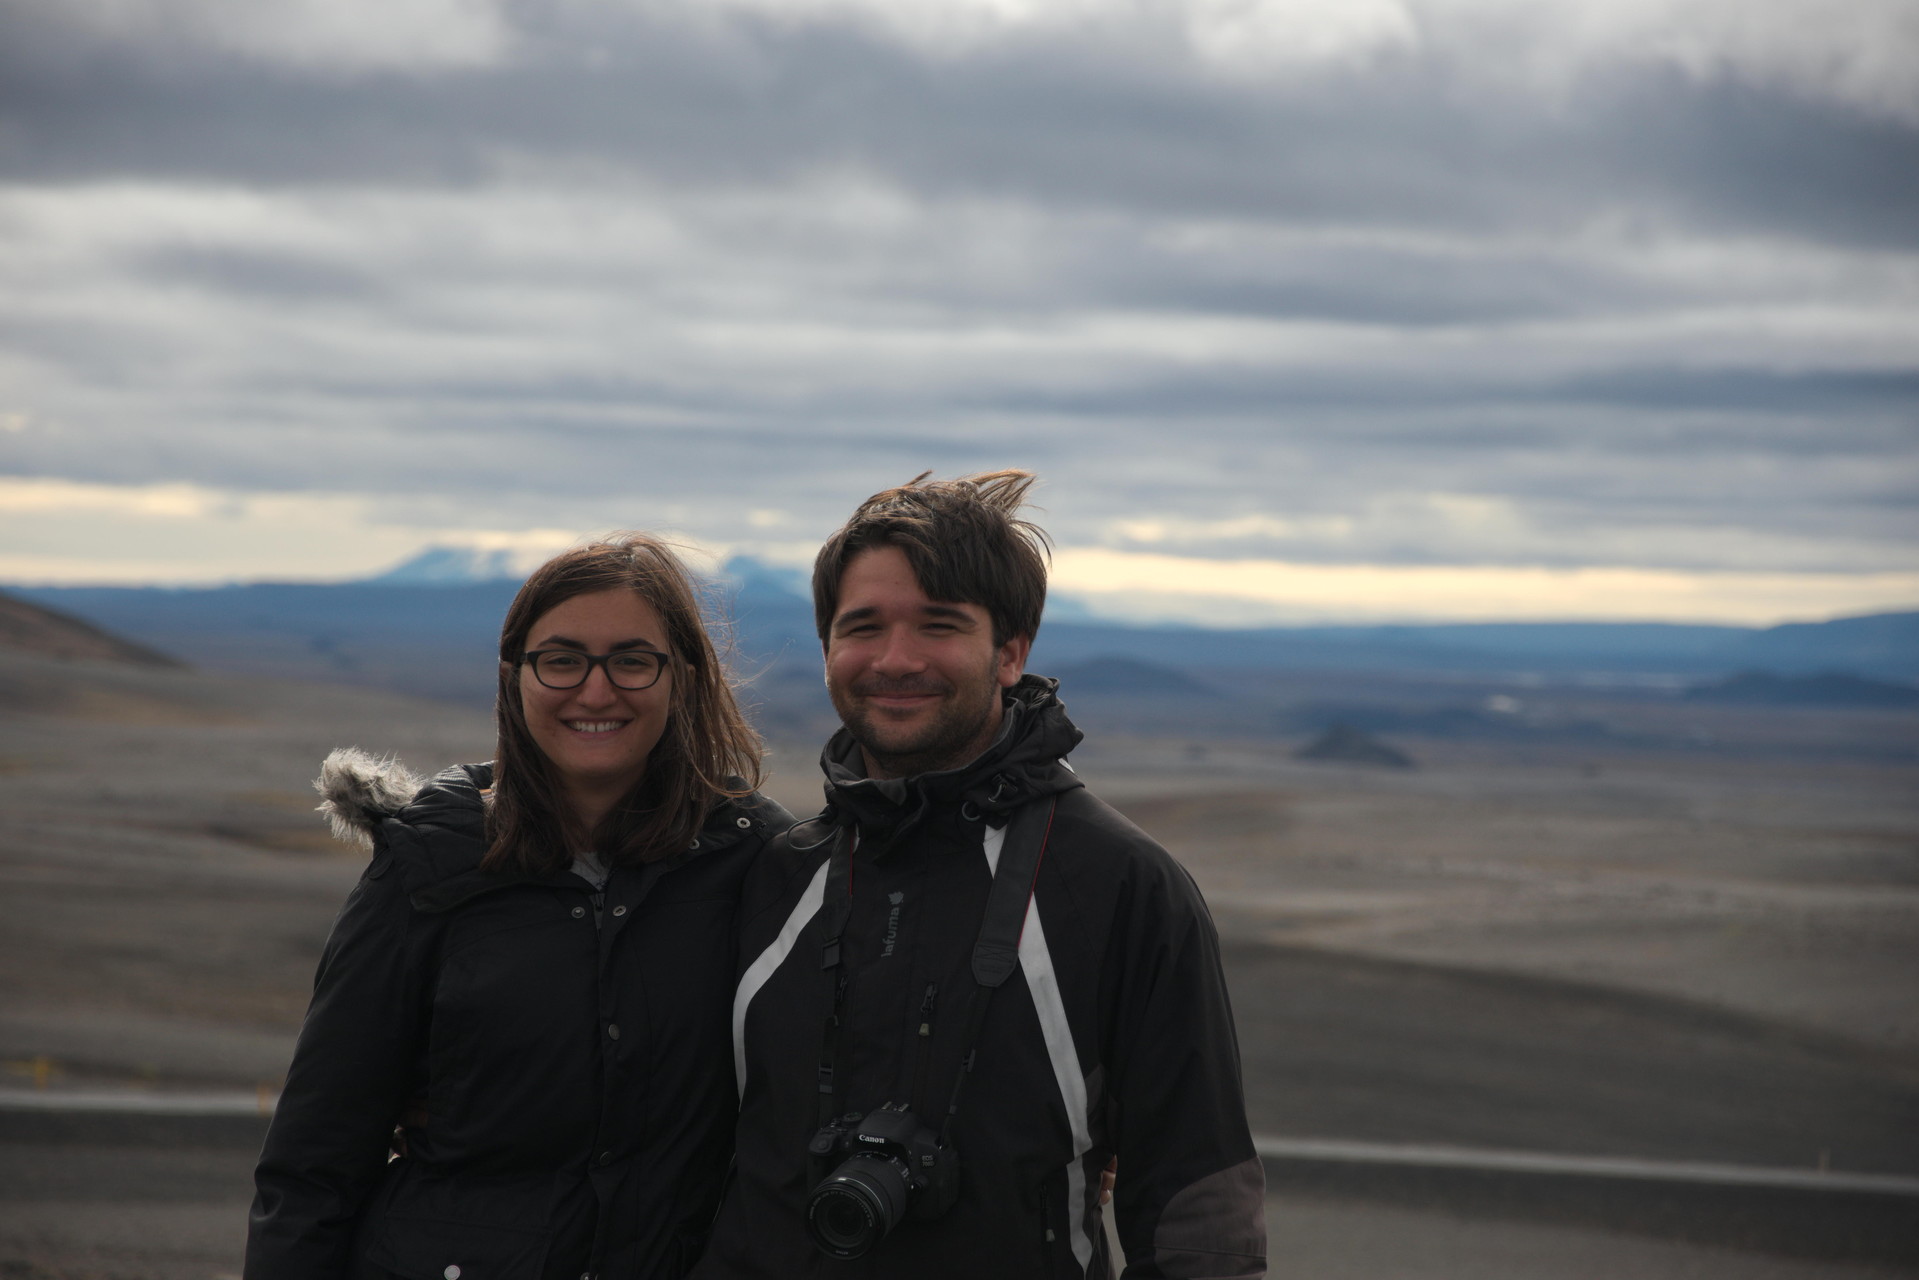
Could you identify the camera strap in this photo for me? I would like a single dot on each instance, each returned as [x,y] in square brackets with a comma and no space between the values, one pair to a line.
[839,906]
[995,952]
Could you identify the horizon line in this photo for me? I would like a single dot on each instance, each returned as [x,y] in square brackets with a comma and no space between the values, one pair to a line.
[1075,600]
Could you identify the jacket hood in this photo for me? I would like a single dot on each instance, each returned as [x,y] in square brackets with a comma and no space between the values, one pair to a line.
[359,790]
[1024,763]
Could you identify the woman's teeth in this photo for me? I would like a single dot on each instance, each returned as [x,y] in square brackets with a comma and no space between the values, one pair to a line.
[594,726]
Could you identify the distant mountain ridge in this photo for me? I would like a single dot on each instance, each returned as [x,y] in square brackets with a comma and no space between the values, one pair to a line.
[33,628]
[430,626]
[444,566]
[1827,689]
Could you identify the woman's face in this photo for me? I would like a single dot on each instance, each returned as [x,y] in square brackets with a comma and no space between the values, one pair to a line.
[597,735]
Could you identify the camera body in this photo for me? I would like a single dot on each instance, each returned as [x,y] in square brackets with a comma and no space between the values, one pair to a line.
[886,1167]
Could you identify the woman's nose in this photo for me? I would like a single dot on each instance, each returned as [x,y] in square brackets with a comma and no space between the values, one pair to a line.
[597,689]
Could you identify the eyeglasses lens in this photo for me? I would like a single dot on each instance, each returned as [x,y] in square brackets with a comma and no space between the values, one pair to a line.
[563,670]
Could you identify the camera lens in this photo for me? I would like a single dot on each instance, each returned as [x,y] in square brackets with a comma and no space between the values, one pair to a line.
[857,1205]
[843,1221]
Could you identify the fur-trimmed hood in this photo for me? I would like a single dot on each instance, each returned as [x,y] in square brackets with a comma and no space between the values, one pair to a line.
[432,829]
[358,790]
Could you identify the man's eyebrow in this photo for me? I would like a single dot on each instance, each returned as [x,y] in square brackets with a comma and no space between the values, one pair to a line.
[937,610]
[931,609]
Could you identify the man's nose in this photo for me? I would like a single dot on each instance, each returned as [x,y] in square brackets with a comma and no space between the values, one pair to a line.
[899,654]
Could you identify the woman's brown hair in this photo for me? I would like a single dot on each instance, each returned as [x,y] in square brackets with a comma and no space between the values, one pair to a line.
[707,752]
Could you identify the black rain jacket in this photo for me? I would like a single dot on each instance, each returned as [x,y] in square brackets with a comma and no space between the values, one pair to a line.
[578,1079]
[1113,1036]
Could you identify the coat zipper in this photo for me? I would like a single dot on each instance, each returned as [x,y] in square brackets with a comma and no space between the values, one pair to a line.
[925,1045]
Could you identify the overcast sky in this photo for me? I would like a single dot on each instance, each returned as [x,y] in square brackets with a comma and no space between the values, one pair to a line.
[1379,309]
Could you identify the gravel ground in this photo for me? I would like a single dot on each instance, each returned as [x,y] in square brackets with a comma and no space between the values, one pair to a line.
[1701,957]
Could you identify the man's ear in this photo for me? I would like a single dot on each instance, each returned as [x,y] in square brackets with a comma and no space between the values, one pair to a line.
[1012,660]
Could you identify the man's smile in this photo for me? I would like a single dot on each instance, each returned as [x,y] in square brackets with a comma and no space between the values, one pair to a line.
[901,694]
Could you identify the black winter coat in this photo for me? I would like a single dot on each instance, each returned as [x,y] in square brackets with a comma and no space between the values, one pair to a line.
[578,1078]
[1113,1036]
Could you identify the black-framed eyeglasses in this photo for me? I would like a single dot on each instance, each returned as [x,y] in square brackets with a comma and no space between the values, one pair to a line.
[629,669]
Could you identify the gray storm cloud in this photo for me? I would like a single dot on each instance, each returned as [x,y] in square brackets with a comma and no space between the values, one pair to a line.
[1494,282]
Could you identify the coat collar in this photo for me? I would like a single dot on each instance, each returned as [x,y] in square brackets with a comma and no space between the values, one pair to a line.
[448,814]
[1024,763]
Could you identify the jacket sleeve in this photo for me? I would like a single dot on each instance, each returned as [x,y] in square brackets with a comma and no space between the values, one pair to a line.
[352,1071]
[1191,1192]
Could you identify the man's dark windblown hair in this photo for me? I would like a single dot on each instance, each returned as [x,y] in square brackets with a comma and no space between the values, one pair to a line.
[965,541]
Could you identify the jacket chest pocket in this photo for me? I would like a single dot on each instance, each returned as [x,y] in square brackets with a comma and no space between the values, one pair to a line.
[510,981]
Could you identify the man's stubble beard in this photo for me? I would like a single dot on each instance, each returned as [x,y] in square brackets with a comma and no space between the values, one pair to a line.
[958,733]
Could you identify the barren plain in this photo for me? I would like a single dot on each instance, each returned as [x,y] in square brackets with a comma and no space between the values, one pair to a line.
[1649,952]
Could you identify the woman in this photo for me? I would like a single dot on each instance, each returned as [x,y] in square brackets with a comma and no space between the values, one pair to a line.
[535,971]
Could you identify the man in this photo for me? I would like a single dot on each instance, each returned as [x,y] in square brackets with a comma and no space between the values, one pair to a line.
[968,983]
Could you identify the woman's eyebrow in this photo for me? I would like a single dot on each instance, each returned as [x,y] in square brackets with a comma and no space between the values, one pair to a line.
[567,642]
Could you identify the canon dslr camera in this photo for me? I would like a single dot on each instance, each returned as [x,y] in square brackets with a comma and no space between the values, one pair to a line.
[893,1168]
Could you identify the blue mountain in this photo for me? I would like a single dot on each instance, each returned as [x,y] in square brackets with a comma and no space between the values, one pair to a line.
[445,565]
[431,625]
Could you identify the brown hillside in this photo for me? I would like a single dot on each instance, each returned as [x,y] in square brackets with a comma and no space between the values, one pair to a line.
[34,629]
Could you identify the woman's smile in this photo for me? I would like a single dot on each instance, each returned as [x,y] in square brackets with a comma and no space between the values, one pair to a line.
[596,726]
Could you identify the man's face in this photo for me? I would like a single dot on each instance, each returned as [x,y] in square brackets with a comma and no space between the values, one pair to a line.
[917,681]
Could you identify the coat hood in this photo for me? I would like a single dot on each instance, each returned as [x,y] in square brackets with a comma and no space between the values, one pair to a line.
[359,790]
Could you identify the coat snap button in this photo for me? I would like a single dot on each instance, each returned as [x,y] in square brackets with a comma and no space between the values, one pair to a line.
[613,1030]
[742,823]
[619,911]
[694,845]
[578,912]
[452,1272]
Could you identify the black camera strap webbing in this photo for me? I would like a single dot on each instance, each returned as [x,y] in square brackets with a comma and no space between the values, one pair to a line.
[995,953]
[838,901]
